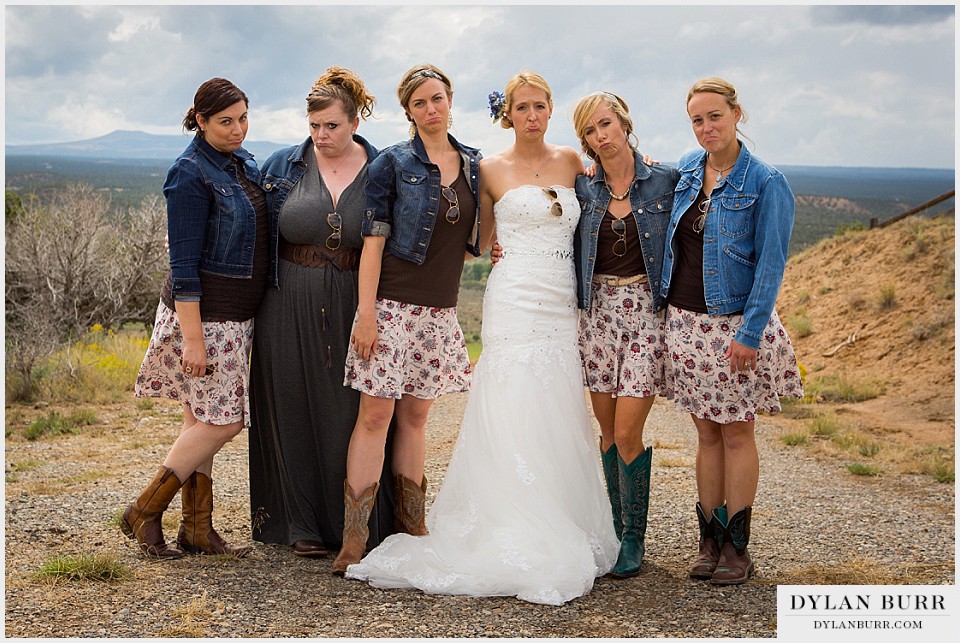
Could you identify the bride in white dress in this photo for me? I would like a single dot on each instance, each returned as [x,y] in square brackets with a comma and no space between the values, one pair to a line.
[522,510]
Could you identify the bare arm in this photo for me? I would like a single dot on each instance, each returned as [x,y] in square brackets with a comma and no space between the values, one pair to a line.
[364,337]
[193,361]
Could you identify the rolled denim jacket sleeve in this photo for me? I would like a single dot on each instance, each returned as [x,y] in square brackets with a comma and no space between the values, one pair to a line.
[189,202]
[381,193]
[774,224]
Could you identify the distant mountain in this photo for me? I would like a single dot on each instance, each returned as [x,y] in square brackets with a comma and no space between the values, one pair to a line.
[126,144]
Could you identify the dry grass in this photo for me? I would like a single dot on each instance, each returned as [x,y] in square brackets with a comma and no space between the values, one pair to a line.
[862,571]
[190,620]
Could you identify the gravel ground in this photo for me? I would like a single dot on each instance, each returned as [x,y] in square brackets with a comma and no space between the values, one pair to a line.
[813,523]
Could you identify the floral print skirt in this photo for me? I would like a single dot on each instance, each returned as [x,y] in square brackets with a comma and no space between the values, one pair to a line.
[219,398]
[622,342]
[420,352]
[702,382]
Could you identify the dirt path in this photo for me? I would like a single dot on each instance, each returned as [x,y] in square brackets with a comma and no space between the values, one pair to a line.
[813,523]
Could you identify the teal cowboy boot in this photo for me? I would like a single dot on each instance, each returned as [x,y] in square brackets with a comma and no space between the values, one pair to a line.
[611,473]
[635,496]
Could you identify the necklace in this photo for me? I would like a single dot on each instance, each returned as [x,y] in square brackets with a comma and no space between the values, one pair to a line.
[342,161]
[719,172]
[618,197]
[536,172]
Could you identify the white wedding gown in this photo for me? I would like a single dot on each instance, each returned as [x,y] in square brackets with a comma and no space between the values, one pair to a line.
[522,510]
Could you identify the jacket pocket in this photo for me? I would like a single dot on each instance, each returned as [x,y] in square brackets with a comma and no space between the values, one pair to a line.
[736,214]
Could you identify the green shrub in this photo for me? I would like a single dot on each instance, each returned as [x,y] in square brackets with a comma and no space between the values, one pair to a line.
[800,325]
[795,439]
[858,469]
[54,424]
[840,388]
[99,567]
[887,299]
[826,425]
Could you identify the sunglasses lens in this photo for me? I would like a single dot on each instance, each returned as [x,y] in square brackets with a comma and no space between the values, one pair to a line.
[453,214]
[556,209]
[334,220]
[618,226]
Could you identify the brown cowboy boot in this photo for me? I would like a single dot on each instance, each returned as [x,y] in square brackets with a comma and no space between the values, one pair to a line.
[409,516]
[356,516]
[197,535]
[706,561]
[142,519]
[735,565]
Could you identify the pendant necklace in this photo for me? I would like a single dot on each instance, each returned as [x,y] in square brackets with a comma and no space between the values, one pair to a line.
[536,172]
[342,161]
[719,172]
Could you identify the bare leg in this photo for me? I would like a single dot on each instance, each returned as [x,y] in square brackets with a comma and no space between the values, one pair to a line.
[410,443]
[710,464]
[367,442]
[197,444]
[605,409]
[741,465]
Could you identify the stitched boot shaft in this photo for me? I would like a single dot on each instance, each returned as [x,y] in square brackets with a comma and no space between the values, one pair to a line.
[410,512]
[611,473]
[142,519]
[706,561]
[197,535]
[635,499]
[356,530]
[735,565]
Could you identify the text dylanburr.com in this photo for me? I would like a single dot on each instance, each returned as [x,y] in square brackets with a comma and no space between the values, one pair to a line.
[882,612]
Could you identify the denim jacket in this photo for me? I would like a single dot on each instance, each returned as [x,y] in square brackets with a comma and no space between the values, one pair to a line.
[211,224]
[403,198]
[282,171]
[745,239]
[651,199]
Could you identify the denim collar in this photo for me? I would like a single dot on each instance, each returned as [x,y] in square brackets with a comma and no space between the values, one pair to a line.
[296,156]
[737,176]
[641,171]
[217,157]
[420,151]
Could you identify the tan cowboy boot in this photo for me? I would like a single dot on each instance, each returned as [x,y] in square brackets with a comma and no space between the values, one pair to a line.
[197,535]
[410,513]
[356,516]
[142,519]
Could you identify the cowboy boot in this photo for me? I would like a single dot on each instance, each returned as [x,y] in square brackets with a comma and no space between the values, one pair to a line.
[409,515]
[635,496]
[142,519]
[706,561]
[611,474]
[735,565]
[197,535]
[356,516]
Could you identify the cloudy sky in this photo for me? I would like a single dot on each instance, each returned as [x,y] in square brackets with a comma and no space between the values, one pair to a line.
[822,84]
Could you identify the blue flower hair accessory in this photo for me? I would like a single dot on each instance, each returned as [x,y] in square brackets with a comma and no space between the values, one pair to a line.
[496,101]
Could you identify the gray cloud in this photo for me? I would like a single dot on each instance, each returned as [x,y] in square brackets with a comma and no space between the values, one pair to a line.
[886,15]
[823,87]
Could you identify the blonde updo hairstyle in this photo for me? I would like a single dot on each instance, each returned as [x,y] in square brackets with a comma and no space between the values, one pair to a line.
[719,86]
[340,84]
[588,106]
[412,79]
[525,77]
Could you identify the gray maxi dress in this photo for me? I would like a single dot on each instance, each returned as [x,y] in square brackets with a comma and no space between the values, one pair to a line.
[301,413]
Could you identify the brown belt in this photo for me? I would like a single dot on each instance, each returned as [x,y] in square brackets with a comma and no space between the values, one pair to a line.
[614,280]
[319,256]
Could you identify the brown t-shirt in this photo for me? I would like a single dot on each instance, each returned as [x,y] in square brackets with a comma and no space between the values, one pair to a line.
[436,282]
[686,286]
[608,263]
[229,298]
